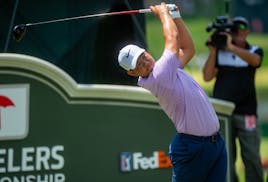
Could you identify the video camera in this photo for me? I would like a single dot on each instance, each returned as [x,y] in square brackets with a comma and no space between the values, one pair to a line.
[221,25]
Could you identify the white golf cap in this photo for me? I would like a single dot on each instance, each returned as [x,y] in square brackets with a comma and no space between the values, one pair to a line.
[128,56]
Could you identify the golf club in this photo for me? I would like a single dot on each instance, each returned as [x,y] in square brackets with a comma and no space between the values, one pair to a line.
[20,30]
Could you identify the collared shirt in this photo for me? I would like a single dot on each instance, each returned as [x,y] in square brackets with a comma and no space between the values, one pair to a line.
[182,99]
[235,80]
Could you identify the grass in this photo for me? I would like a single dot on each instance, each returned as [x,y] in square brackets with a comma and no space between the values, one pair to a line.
[197,28]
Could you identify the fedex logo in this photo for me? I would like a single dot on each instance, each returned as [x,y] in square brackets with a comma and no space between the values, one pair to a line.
[135,161]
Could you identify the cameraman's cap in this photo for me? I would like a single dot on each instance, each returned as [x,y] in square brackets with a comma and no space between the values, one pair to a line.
[241,20]
[128,56]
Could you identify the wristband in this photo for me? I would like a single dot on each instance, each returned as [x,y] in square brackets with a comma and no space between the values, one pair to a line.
[175,14]
[174,11]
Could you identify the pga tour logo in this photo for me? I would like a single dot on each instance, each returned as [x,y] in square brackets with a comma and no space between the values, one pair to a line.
[137,161]
[126,161]
[14,108]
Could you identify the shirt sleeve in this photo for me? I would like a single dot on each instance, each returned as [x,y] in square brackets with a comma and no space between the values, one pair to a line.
[259,51]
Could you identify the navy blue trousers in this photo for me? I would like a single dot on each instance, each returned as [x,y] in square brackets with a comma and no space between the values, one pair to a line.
[194,158]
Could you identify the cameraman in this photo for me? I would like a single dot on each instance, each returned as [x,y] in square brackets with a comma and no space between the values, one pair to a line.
[234,68]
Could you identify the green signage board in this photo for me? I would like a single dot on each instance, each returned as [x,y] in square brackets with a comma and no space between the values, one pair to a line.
[53,129]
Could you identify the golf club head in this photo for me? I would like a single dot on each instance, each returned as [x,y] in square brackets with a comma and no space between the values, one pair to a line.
[19,31]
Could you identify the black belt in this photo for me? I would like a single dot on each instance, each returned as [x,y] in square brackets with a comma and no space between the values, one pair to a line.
[212,138]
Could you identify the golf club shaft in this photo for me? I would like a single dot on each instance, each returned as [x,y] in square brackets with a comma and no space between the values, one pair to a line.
[91,16]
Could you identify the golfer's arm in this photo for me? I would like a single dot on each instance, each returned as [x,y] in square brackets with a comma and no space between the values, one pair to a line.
[170,32]
[187,49]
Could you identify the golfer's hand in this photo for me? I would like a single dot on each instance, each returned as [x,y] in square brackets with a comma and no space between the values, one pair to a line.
[174,11]
[160,10]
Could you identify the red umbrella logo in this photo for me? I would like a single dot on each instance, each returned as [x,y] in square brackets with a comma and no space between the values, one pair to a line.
[5,102]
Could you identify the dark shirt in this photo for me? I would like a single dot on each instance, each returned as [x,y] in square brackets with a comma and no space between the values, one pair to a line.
[236,80]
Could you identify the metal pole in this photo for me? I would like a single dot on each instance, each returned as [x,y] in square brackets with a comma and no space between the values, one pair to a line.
[11,25]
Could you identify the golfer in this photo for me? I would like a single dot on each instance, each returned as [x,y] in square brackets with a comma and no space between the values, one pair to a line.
[197,151]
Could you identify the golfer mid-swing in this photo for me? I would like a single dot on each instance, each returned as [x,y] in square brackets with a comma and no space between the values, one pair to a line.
[197,152]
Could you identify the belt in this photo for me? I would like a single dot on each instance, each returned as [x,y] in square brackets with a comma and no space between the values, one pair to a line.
[212,138]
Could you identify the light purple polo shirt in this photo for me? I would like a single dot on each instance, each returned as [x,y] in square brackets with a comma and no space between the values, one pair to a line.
[182,99]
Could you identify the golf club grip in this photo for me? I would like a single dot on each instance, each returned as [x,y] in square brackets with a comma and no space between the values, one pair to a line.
[145,11]
[130,12]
